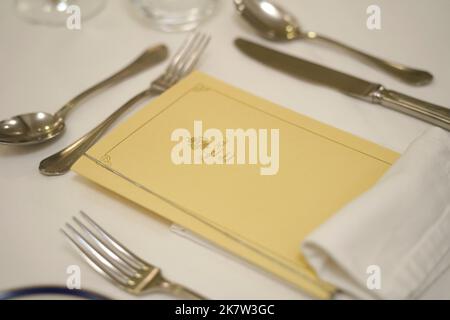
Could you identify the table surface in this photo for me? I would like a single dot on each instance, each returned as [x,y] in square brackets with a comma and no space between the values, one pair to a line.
[42,67]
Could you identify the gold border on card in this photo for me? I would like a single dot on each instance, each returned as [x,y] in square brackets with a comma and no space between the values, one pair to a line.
[106,162]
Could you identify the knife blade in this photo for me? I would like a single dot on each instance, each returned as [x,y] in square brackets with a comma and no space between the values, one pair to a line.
[345,83]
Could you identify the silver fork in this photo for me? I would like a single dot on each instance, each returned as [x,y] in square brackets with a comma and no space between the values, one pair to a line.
[181,65]
[118,264]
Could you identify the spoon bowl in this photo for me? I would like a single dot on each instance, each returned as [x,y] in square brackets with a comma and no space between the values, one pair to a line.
[31,128]
[270,20]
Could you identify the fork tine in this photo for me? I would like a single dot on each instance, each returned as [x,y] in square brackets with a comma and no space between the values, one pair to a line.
[188,62]
[182,52]
[119,247]
[183,63]
[100,264]
[120,264]
[192,49]
[184,47]
[193,59]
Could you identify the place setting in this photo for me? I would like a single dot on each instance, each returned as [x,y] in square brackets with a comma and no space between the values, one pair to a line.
[313,207]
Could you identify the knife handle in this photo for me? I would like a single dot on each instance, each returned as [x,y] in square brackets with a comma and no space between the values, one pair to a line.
[431,113]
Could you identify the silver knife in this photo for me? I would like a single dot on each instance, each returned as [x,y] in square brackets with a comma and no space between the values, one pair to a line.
[350,85]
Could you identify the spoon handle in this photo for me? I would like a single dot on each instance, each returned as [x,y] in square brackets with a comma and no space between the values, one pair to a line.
[147,59]
[61,162]
[404,73]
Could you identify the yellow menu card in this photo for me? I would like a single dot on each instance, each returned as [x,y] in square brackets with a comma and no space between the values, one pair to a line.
[260,216]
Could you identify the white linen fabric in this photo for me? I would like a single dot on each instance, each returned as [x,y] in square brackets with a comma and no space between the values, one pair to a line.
[401,226]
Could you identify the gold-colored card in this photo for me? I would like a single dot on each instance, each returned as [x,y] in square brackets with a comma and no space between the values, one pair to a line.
[256,192]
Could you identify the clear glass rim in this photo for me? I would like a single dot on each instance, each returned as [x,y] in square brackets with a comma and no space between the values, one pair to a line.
[46,19]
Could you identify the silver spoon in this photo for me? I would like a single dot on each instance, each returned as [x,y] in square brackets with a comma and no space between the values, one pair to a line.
[38,127]
[276,24]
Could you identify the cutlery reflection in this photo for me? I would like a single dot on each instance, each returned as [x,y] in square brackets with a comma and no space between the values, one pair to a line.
[180,66]
[350,85]
[118,264]
[275,23]
[39,127]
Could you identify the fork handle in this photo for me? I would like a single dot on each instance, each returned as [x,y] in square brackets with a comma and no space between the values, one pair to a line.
[183,292]
[61,162]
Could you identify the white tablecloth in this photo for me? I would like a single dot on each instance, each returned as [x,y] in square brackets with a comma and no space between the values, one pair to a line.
[42,67]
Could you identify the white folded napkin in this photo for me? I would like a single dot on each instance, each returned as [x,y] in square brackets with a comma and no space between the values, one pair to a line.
[400,227]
